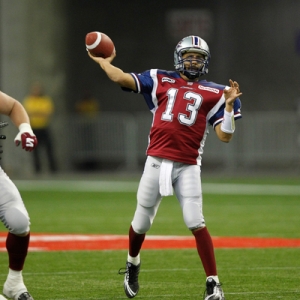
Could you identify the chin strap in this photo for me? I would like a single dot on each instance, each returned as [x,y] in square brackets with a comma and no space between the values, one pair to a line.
[191,76]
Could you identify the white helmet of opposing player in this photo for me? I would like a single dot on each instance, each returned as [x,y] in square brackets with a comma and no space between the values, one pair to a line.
[191,43]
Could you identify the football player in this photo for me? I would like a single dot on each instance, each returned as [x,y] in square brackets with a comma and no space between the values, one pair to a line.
[183,107]
[13,213]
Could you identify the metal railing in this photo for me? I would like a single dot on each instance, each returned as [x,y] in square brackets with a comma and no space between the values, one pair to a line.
[118,141]
[261,139]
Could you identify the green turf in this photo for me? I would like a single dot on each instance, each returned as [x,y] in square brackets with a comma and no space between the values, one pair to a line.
[111,213]
[265,274]
[169,274]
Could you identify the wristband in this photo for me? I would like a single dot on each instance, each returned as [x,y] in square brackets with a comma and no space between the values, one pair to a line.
[25,127]
[228,125]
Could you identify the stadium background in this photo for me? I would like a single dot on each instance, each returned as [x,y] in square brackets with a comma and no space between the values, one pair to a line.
[254,42]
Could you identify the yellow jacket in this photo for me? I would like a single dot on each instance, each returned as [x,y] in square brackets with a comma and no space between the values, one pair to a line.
[39,110]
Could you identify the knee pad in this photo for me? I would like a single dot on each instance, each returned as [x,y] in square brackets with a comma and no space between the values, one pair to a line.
[16,221]
[192,215]
[143,218]
[141,223]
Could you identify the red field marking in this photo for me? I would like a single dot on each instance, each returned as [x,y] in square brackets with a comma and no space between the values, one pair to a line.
[69,242]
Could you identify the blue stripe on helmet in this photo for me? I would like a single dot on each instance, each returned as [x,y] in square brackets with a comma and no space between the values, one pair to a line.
[196,41]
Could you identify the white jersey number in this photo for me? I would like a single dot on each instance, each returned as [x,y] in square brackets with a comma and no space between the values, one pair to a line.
[192,108]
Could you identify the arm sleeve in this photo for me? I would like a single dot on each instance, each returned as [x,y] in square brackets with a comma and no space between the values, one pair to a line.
[144,83]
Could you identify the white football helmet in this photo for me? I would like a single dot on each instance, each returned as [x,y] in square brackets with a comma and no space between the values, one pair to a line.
[191,43]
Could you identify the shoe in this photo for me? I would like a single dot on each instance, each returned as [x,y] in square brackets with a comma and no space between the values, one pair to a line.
[25,296]
[131,285]
[213,290]
[16,291]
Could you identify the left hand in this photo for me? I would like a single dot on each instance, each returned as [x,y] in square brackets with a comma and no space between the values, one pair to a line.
[29,142]
[232,93]
[26,137]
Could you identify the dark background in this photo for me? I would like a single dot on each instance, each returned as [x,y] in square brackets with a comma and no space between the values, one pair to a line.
[253,42]
[256,43]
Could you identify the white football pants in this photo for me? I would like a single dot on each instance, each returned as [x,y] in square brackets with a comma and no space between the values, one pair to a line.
[13,213]
[186,182]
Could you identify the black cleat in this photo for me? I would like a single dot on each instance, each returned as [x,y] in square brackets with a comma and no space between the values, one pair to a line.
[25,296]
[131,284]
[213,290]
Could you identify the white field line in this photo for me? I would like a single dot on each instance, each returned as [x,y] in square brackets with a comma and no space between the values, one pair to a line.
[85,238]
[31,249]
[131,186]
[81,237]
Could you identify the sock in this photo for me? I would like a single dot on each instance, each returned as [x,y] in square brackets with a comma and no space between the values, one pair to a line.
[135,242]
[215,278]
[14,277]
[14,273]
[17,248]
[205,249]
[14,285]
[134,260]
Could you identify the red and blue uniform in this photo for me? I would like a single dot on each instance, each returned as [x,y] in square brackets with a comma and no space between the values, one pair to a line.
[182,111]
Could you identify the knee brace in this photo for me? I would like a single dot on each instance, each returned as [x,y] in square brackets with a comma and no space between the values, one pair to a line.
[192,215]
[16,221]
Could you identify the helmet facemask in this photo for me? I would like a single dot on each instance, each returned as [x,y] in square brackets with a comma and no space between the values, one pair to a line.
[193,67]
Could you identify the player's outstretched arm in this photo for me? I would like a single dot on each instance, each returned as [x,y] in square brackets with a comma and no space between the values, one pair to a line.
[226,129]
[115,74]
[18,115]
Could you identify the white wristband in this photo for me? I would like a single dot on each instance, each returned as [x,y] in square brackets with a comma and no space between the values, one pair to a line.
[25,127]
[228,125]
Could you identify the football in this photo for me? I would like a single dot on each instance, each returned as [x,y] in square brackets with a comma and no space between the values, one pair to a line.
[99,44]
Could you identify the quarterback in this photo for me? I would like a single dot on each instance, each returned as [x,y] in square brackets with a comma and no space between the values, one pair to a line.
[13,213]
[183,108]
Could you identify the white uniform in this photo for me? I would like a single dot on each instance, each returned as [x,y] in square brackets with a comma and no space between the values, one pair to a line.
[159,178]
[13,213]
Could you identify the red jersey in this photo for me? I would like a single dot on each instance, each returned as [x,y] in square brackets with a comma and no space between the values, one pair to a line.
[182,111]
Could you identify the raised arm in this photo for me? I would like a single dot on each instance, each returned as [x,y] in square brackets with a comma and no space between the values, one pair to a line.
[115,74]
[225,129]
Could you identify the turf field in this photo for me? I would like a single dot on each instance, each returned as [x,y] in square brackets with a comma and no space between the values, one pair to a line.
[268,208]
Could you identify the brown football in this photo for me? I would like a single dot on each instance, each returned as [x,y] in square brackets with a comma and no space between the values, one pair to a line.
[99,44]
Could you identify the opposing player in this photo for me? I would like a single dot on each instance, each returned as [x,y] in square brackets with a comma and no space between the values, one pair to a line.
[13,213]
[183,107]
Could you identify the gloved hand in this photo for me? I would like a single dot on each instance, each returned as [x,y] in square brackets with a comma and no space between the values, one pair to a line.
[26,137]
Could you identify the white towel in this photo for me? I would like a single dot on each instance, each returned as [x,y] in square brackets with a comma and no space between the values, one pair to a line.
[165,178]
